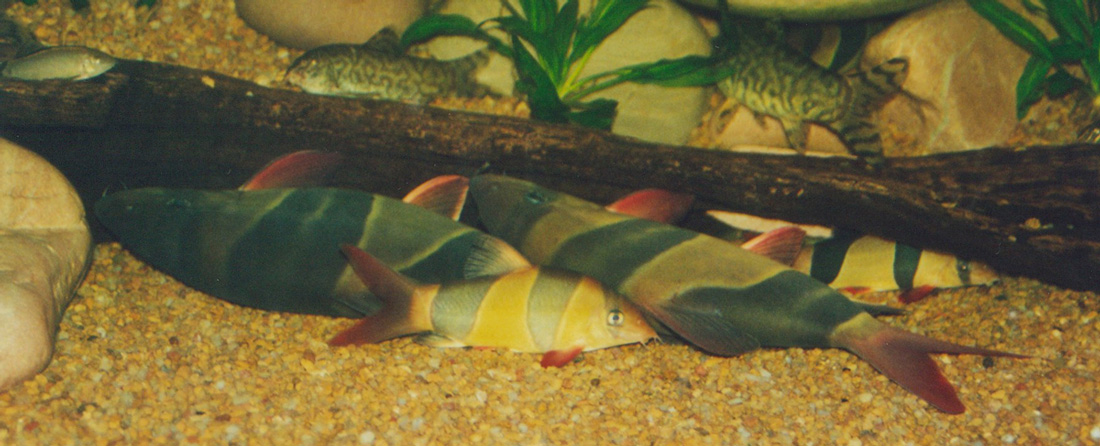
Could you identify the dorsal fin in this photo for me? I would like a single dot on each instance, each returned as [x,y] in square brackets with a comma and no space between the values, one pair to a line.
[781,245]
[490,256]
[444,195]
[297,169]
[654,204]
[385,41]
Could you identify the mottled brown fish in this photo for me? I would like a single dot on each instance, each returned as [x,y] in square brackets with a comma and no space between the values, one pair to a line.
[772,79]
[380,69]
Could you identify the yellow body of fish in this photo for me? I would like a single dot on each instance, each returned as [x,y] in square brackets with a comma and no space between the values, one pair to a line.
[535,310]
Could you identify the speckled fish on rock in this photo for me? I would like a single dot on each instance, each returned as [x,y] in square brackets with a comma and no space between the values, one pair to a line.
[277,248]
[536,310]
[60,62]
[774,80]
[380,69]
[721,298]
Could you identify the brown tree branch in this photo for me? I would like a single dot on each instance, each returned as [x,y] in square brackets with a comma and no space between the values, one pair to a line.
[1031,212]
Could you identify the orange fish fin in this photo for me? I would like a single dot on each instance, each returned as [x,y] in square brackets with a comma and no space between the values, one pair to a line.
[854,290]
[654,204]
[396,293]
[904,357]
[444,195]
[491,256]
[297,169]
[781,244]
[559,358]
[916,294]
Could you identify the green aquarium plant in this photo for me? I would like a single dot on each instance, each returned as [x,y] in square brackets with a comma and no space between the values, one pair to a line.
[550,47]
[1077,23]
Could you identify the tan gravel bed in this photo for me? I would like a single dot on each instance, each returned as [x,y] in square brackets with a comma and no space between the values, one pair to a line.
[143,359]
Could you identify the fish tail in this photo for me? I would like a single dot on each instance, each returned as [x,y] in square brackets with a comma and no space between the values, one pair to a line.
[904,357]
[403,308]
[870,89]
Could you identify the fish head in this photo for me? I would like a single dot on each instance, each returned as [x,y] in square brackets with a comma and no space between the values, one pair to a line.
[305,73]
[95,63]
[976,273]
[508,207]
[155,223]
[614,321]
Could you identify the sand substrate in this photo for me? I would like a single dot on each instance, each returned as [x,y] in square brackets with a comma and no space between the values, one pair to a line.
[142,359]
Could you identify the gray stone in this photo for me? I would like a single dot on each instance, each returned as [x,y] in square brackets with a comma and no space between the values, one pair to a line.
[307,24]
[962,67]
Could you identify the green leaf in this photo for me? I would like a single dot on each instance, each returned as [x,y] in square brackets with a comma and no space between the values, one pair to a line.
[1061,82]
[688,71]
[434,25]
[1068,51]
[539,13]
[79,4]
[599,113]
[1030,86]
[1065,16]
[560,39]
[30,2]
[1013,26]
[542,96]
[145,3]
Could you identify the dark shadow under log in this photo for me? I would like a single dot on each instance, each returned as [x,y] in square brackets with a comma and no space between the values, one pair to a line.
[1029,212]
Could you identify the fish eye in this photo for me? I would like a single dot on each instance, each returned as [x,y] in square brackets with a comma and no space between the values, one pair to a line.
[962,267]
[535,197]
[615,318]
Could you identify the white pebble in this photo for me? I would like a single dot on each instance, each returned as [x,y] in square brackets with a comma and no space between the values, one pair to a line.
[1095,433]
[1008,438]
[366,437]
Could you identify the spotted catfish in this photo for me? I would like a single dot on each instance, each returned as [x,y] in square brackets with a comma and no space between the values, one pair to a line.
[537,310]
[380,69]
[772,79]
[720,297]
[275,247]
[856,263]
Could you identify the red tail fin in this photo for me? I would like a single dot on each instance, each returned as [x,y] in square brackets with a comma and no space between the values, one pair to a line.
[398,316]
[903,357]
[298,169]
[654,204]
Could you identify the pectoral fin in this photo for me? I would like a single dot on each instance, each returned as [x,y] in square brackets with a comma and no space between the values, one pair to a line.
[916,294]
[559,358]
[707,330]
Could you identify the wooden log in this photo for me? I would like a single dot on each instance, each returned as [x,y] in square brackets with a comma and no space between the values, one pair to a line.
[1028,212]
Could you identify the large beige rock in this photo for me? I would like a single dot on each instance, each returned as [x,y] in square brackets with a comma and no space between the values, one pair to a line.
[44,247]
[662,30]
[307,24]
[965,70]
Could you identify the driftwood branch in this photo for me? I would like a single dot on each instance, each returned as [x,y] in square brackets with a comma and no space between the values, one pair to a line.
[1032,212]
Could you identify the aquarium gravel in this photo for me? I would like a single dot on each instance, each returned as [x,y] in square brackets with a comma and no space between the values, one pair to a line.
[142,359]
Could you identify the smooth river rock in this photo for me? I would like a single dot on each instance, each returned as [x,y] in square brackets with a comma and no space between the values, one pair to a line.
[662,30]
[962,68]
[307,24]
[44,253]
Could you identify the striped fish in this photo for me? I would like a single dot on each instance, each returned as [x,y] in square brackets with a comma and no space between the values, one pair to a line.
[534,310]
[857,263]
[774,80]
[380,69]
[724,299]
[277,249]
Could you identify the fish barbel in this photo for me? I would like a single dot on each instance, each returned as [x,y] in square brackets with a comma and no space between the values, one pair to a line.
[380,69]
[59,62]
